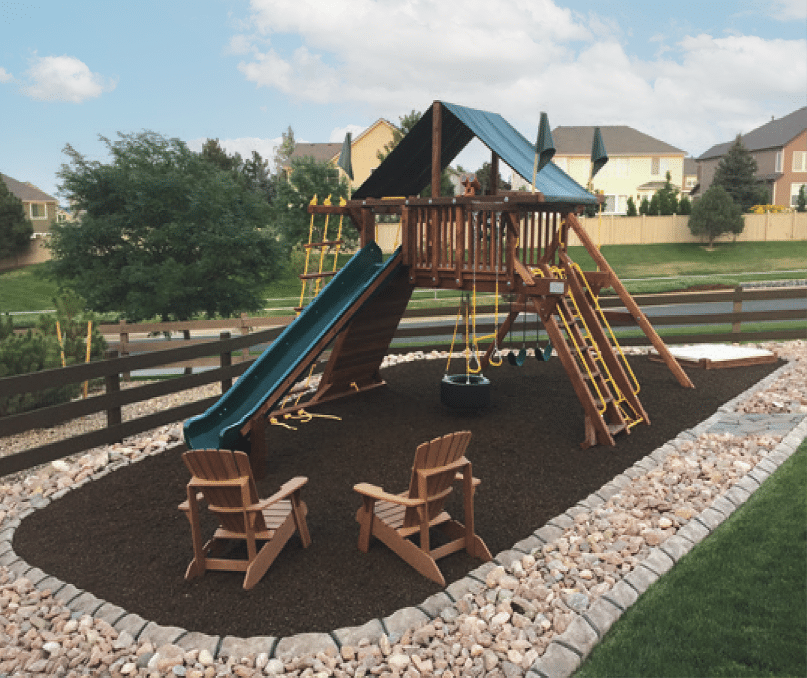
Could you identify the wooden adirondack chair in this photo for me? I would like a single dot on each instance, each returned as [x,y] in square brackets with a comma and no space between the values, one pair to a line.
[395,518]
[223,478]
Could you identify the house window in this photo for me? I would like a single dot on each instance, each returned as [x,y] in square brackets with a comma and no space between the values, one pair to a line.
[800,161]
[39,210]
[794,194]
[615,204]
[659,166]
[779,162]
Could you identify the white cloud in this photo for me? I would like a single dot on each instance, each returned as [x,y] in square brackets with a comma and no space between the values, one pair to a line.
[338,134]
[5,76]
[390,56]
[787,10]
[64,78]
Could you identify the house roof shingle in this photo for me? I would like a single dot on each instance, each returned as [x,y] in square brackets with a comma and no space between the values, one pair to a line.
[618,140]
[773,134]
[320,152]
[26,192]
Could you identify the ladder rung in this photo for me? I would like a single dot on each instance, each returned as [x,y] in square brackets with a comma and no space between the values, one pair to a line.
[312,276]
[326,243]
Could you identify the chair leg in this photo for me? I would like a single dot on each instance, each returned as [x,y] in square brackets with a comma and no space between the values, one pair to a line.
[406,550]
[266,556]
[365,518]
[299,511]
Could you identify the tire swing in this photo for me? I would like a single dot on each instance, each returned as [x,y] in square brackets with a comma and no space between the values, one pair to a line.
[469,391]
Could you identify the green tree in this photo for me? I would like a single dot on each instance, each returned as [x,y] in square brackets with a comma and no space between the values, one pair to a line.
[484,177]
[164,233]
[213,152]
[736,173]
[685,206]
[284,151]
[644,206]
[632,212]
[289,210]
[801,201]
[715,214]
[667,197]
[15,229]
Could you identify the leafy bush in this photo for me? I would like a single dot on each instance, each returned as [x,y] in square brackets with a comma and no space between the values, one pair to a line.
[715,214]
[40,350]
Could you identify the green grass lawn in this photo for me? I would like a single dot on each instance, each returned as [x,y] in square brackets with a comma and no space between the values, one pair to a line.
[643,268]
[736,605]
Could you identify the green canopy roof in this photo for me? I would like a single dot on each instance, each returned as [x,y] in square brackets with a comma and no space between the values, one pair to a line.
[407,169]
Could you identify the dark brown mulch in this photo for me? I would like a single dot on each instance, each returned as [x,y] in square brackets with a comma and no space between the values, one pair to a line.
[123,539]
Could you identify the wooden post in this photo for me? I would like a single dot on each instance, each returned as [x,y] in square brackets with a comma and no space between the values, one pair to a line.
[437,140]
[225,360]
[112,382]
[124,346]
[737,309]
[244,332]
[494,173]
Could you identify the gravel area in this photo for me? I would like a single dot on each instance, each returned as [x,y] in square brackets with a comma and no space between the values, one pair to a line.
[537,610]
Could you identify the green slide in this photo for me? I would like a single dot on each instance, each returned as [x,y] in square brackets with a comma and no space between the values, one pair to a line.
[220,426]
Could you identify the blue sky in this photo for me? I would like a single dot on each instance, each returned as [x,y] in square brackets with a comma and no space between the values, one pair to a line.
[690,73]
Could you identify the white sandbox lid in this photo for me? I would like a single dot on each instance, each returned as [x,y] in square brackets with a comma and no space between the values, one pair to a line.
[716,352]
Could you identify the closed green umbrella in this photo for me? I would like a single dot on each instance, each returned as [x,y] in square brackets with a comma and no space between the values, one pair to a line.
[598,154]
[344,157]
[544,147]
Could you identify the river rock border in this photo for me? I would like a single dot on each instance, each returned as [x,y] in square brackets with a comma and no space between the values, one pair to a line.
[537,609]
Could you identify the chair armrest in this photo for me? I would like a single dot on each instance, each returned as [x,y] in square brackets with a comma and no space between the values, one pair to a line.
[285,491]
[375,492]
[185,506]
[460,476]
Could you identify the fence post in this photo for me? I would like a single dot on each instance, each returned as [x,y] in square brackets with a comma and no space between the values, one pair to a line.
[112,382]
[226,360]
[244,332]
[737,309]
[124,346]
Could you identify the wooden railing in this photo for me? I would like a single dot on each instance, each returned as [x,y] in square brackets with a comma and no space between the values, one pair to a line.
[421,329]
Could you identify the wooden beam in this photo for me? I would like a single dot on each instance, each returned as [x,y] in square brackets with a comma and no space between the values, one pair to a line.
[494,173]
[437,140]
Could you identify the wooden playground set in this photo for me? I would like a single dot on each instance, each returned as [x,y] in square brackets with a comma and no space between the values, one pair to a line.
[504,243]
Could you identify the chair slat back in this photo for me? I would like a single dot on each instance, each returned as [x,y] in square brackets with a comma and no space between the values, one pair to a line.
[219,465]
[434,454]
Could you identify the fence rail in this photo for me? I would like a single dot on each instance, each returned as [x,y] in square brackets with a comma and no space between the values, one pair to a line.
[421,329]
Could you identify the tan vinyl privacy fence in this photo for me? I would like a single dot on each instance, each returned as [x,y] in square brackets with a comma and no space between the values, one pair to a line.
[643,230]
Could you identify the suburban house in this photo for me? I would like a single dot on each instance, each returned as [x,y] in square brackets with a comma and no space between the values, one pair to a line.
[780,149]
[39,207]
[637,163]
[363,150]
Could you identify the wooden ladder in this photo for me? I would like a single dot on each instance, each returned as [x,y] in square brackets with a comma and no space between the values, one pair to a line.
[608,398]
